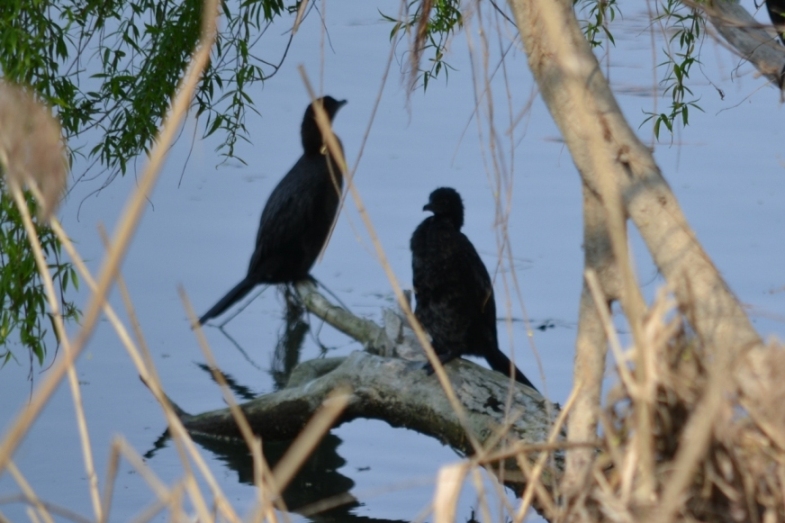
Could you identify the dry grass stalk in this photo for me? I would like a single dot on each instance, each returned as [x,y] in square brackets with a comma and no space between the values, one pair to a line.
[140,356]
[57,510]
[14,156]
[62,337]
[267,487]
[28,491]
[271,484]
[622,359]
[449,483]
[534,485]
[499,162]
[733,471]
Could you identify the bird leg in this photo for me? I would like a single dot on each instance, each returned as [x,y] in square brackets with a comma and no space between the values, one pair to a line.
[444,358]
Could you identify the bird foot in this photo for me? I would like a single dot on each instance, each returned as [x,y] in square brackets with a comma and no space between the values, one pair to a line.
[444,358]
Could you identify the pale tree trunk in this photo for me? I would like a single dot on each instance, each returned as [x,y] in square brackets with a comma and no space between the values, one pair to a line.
[590,344]
[620,172]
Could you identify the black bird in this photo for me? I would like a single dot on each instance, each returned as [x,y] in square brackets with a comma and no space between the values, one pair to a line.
[297,216]
[455,302]
[776,9]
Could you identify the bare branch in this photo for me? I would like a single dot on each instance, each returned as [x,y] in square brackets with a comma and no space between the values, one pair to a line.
[747,37]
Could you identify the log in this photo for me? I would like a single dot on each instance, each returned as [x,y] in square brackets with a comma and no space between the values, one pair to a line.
[500,413]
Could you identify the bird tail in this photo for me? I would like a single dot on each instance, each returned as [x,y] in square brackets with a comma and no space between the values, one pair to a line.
[501,363]
[238,292]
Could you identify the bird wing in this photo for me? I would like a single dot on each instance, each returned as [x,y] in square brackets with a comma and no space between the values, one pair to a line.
[474,272]
[439,268]
[482,304]
[291,218]
[420,260]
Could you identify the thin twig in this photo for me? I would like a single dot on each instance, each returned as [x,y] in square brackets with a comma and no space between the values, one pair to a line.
[27,490]
[262,475]
[610,332]
[534,477]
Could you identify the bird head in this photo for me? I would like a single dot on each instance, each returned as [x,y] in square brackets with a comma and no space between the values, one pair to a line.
[445,202]
[311,135]
[330,105]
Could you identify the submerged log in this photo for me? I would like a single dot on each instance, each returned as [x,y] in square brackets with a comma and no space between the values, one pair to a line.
[392,390]
[499,412]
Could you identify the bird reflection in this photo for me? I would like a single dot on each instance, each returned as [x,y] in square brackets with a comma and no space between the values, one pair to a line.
[239,390]
[285,358]
[290,341]
[318,482]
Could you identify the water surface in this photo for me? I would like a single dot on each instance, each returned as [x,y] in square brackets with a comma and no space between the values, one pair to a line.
[726,169]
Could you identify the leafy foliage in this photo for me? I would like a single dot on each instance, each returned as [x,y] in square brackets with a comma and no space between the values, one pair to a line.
[22,295]
[110,67]
[600,14]
[686,27]
[136,51]
[445,17]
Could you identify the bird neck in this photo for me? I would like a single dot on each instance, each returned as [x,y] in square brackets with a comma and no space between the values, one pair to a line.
[454,219]
[312,138]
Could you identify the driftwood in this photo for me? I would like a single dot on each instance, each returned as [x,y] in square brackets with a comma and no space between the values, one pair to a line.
[748,38]
[387,382]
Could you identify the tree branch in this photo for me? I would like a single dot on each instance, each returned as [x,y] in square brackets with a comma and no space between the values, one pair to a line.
[398,392]
[747,36]
[590,344]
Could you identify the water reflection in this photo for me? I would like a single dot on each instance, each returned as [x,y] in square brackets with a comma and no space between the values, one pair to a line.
[239,390]
[318,483]
[290,341]
[158,444]
[319,492]
[285,358]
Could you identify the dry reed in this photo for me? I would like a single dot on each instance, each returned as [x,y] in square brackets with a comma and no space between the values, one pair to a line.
[679,442]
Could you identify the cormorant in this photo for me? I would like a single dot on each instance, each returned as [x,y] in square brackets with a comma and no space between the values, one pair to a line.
[297,216]
[776,9]
[455,302]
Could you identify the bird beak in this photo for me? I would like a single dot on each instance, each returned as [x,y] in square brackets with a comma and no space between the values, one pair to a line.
[427,207]
[341,103]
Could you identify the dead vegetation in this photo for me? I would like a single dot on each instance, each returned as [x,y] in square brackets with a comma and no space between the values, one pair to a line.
[692,430]
[729,468]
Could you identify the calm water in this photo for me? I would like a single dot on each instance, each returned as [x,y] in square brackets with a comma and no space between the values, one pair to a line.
[726,168]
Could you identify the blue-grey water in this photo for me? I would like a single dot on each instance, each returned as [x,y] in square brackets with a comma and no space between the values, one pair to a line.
[727,169]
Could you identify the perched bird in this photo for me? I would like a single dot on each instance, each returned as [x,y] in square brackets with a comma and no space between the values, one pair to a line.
[455,302]
[776,9]
[297,216]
